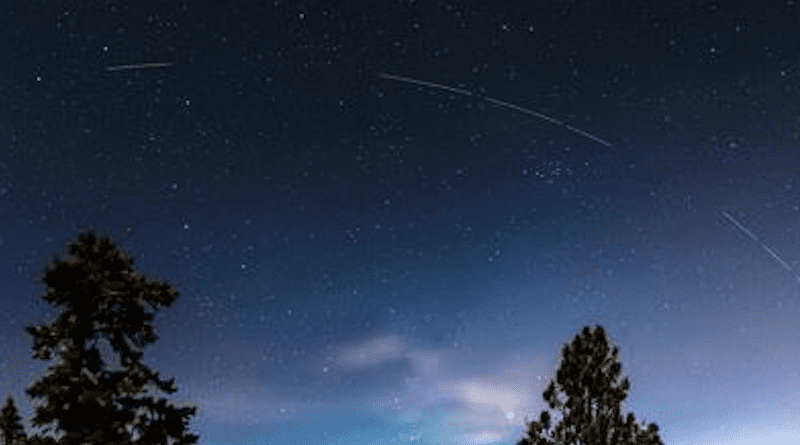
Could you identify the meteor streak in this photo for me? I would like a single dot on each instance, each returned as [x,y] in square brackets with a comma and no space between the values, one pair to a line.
[496,102]
[764,246]
[139,66]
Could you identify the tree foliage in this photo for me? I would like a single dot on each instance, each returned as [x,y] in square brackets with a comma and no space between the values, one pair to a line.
[102,298]
[588,391]
[10,426]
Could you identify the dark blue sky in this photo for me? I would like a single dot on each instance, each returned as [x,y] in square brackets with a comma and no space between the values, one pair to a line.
[363,260]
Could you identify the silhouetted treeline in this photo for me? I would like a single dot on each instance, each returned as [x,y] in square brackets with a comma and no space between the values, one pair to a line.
[101,297]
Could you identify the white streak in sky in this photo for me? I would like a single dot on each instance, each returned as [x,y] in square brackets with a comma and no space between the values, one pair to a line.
[764,246]
[497,102]
[741,227]
[139,66]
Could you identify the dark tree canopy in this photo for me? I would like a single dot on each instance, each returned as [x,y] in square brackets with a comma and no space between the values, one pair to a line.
[10,426]
[591,389]
[103,298]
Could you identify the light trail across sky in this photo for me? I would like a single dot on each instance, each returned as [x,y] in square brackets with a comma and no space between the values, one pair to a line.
[764,246]
[138,66]
[497,102]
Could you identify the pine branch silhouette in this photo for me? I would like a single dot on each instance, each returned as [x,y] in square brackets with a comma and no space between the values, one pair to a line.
[102,297]
[10,426]
[588,391]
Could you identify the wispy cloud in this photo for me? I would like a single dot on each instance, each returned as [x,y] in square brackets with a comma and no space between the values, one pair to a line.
[482,437]
[372,352]
[443,399]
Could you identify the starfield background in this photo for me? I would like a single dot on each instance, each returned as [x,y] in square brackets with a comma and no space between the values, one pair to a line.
[386,218]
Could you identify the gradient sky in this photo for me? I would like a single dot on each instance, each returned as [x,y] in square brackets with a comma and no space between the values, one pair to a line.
[362,260]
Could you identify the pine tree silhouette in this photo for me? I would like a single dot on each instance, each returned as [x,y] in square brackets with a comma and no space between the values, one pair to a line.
[102,297]
[589,379]
[12,431]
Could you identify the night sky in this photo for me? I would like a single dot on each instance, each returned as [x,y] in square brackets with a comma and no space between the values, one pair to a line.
[362,259]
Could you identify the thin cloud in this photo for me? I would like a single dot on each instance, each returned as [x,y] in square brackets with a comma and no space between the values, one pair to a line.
[477,409]
[482,437]
[443,401]
[372,352]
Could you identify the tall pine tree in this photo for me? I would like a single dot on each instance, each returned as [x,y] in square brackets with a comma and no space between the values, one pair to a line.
[102,298]
[592,389]
[12,431]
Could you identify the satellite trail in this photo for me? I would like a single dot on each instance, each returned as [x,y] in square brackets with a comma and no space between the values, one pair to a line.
[764,246]
[497,102]
[139,66]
